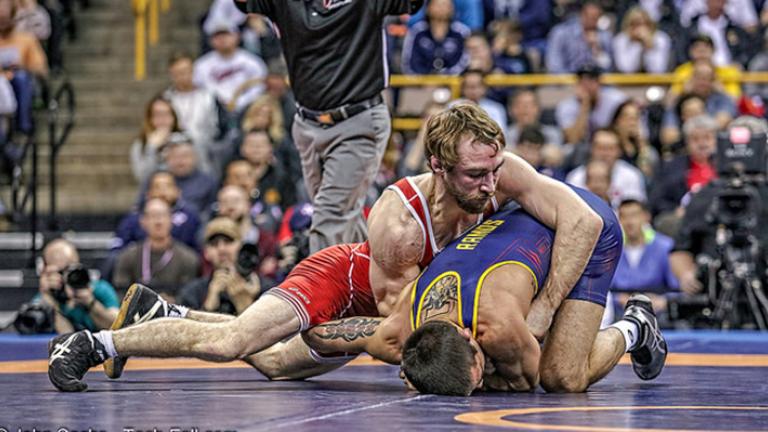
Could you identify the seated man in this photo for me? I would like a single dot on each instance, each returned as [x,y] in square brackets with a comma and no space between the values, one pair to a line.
[463,325]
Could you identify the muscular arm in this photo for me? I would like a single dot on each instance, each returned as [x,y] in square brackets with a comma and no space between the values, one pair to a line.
[396,243]
[577,229]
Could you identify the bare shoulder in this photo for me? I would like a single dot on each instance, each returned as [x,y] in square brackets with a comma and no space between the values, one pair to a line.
[395,237]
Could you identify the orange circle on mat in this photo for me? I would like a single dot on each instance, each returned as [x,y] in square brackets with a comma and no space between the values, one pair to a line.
[496,417]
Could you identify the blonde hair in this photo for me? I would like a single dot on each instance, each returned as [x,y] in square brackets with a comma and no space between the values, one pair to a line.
[446,129]
[277,123]
[633,13]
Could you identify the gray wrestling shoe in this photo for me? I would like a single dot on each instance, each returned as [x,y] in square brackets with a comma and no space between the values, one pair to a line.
[650,354]
[69,358]
[139,305]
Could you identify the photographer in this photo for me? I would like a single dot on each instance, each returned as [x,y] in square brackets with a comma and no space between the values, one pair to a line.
[235,283]
[726,216]
[79,303]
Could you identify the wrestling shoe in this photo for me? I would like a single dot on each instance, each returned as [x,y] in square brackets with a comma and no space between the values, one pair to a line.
[139,305]
[69,358]
[650,351]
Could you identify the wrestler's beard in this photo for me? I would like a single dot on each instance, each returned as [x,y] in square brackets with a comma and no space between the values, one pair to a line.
[470,204]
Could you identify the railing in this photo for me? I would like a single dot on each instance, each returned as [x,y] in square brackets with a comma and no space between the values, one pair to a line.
[24,186]
[453,83]
[146,26]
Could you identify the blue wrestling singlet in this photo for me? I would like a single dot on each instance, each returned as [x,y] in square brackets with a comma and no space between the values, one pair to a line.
[513,237]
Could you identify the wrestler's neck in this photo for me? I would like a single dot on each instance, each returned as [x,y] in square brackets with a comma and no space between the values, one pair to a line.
[445,210]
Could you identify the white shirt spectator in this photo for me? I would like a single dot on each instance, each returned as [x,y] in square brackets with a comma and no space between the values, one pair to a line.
[224,75]
[496,111]
[627,182]
[567,111]
[741,12]
[630,56]
[198,117]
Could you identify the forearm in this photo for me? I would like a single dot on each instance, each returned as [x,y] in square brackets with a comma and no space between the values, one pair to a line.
[682,263]
[241,301]
[575,240]
[103,317]
[578,131]
[349,335]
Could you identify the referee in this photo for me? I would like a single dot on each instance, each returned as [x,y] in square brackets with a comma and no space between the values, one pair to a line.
[337,64]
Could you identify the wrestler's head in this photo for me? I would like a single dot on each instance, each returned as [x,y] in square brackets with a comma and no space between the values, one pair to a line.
[464,146]
[443,358]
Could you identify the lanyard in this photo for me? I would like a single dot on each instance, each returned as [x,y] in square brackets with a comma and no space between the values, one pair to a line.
[146,265]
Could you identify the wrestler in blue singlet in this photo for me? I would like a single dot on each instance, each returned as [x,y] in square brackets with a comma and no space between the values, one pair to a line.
[513,237]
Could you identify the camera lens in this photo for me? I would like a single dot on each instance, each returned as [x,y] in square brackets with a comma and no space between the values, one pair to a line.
[78,278]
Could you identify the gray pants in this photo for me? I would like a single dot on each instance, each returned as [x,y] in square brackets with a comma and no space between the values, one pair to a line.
[339,164]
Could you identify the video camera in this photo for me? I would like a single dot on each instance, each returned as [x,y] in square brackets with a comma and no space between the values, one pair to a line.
[735,277]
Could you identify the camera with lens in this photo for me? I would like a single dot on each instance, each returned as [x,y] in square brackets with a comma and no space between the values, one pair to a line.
[76,277]
[735,275]
[248,260]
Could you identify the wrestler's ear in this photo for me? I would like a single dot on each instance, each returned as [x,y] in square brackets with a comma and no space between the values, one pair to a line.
[435,165]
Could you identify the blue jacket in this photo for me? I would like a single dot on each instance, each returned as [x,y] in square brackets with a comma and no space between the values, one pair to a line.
[184,226]
[653,273]
[422,54]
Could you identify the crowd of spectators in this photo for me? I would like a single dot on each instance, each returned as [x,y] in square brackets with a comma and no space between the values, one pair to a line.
[217,167]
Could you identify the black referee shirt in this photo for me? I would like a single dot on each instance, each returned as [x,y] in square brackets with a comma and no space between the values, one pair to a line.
[334,48]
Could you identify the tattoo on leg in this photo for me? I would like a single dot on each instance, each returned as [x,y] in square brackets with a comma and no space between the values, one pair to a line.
[348,329]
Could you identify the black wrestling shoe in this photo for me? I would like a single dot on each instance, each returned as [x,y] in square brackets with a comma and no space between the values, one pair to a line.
[69,358]
[139,305]
[650,352]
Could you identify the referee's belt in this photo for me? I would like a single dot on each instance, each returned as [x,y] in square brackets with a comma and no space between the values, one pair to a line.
[338,115]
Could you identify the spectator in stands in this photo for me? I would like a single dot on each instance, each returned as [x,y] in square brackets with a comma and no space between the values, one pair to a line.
[195,107]
[234,75]
[222,11]
[741,12]
[7,108]
[579,41]
[279,90]
[32,18]
[627,182]
[197,188]
[640,47]
[686,173]
[481,58]
[530,147]
[467,12]
[185,221]
[702,50]
[703,84]
[525,110]
[759,63]
[158,261]
[226,290]
[635,147]
[234,203]
[473,89]
[160,121]
[598,179]
[273,185]
[687,107]
[93,307]
[436,45]
[534,16]
[592,106]
[265,113]
[266,216]
[731,42]
[509,54]
[21,59]
[644,263]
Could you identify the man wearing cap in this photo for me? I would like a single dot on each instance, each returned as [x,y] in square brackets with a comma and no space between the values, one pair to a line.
[224,291]
[227,69]
[591,107]
[337,66]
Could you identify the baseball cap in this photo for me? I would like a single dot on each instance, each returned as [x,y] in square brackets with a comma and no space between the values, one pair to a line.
[222,26]
[222,226]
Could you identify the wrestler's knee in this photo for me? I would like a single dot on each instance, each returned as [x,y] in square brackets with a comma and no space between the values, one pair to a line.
[226,342]
[556,380]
